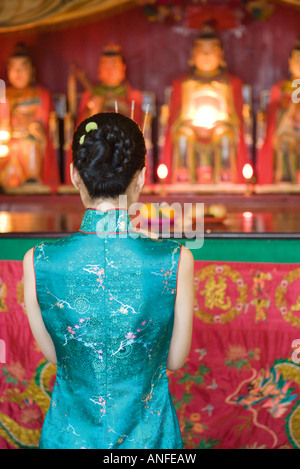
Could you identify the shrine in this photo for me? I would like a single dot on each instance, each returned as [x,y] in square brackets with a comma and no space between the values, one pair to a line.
[215,88]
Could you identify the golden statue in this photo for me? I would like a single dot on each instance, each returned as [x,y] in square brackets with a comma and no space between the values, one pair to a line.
[279,156]
[30,155]
[205,138]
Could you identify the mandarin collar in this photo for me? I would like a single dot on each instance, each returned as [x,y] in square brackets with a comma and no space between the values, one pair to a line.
[109,221]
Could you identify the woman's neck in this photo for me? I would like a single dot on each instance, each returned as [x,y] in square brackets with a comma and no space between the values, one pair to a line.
[121,203]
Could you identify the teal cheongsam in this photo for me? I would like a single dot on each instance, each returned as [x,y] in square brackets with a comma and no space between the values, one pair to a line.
[107,298]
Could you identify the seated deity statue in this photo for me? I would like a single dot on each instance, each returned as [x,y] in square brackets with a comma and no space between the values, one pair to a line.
[204,140]
[112,87]
[24,125]
[279,157]
[113,92]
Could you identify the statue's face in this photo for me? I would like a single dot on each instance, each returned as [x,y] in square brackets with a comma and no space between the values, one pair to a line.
[207,55]
[112,70]
[294,64]
[19,72]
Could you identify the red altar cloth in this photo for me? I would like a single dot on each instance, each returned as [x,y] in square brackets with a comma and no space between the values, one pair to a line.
[240,387]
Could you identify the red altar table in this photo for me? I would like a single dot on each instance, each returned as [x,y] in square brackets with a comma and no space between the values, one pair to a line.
[240,386]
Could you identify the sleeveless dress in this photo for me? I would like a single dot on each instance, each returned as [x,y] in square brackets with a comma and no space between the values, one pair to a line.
[107,298]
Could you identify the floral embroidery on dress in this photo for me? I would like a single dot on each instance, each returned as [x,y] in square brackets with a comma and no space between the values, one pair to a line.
[136,337]
[41,254]
[98,271]
[167,274]
[78,331]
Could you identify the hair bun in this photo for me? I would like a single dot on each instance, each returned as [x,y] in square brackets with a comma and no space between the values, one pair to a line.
[109,154]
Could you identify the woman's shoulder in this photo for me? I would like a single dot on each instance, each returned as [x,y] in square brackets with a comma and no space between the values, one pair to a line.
[186,258]
[168,245]
[53,245]
[153,237]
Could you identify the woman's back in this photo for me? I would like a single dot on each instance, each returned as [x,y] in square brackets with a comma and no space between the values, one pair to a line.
[107,298]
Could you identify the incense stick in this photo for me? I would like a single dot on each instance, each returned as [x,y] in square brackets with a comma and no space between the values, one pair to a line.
[132,110]
[145,117]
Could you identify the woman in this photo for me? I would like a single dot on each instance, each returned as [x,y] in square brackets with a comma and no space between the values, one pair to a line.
[111,306]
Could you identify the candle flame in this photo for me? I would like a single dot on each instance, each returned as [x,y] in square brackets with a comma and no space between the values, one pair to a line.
[3,151]
[162,171]
[4,135]
[247,171]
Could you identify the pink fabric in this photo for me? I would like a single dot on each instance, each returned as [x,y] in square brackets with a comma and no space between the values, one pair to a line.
[240,387]
[23,401]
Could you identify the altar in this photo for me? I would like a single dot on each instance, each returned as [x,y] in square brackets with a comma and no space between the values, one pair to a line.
[240,384]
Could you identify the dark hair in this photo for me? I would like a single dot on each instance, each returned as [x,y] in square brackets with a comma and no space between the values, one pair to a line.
[113,54]
[208,32]
[108,157]
[21,51]
[112,50]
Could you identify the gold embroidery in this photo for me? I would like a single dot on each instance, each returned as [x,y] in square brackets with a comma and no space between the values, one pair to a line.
[296,307]
[20,295]
[281,301]
[260,308]
[38,390]
[3,291]
[259,301]
[214,292]
[291,372]
[17,435]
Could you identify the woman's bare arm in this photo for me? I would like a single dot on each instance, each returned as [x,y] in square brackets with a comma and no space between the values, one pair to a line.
[33,310]
[183,316]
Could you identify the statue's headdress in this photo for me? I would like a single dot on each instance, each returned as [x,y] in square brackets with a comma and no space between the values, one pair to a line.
[111,50]
[21,50]
[296,49]
[208,31]
[297,45]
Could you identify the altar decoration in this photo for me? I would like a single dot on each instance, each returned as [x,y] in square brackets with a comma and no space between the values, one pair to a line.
[228,14]
[41,13]
[240,386]
[225,15]
[156,217]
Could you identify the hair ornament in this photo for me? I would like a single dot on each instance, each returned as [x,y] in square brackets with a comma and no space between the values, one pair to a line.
[89,126]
